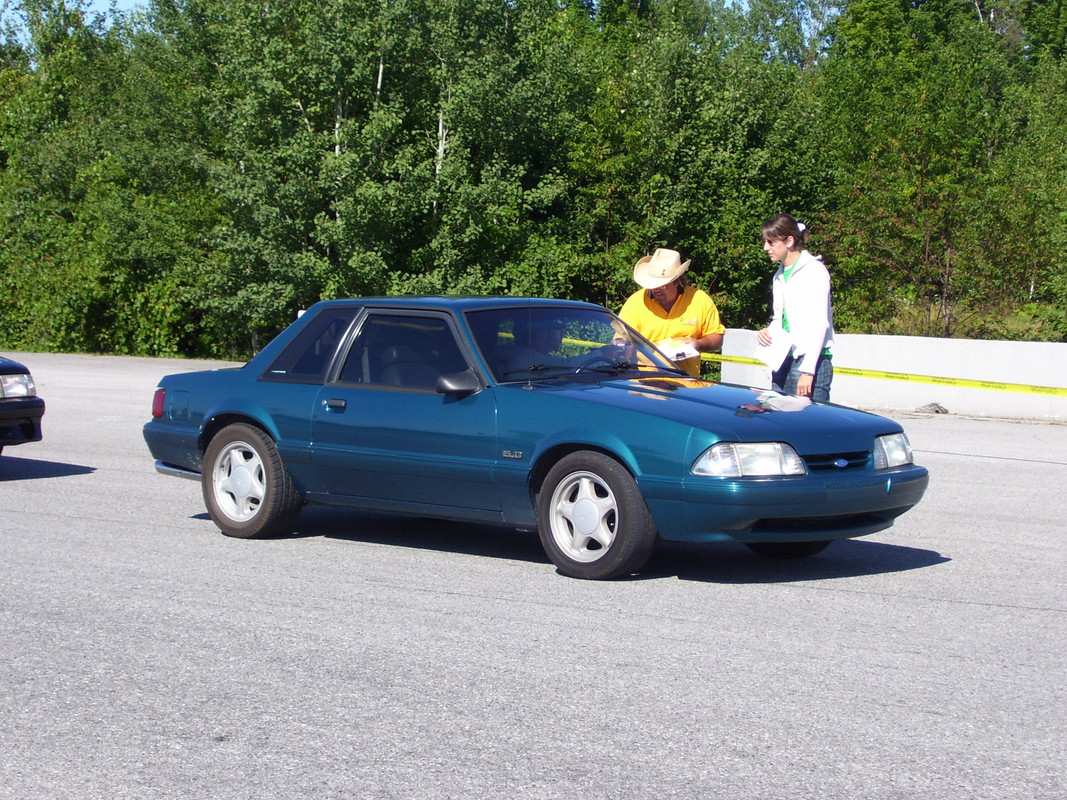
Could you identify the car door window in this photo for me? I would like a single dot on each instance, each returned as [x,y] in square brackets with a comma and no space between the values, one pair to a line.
[402,352]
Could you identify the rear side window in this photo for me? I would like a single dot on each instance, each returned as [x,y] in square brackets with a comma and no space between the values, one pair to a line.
[308,356]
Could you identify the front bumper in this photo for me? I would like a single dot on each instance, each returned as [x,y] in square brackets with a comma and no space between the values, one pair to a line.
[786,509]
[20,420]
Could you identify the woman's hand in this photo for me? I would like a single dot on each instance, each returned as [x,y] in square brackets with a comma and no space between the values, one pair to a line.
[763,336]
[804,384]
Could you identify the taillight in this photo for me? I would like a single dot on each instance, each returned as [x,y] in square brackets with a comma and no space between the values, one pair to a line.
[157,403]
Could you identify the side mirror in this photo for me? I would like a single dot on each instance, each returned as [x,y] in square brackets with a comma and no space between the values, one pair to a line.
[459,384]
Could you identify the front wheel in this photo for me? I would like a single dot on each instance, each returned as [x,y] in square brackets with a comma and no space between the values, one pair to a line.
[247,489]
[788,549]
[592,519]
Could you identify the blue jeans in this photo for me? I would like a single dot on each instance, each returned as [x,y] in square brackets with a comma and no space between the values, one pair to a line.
[786,378]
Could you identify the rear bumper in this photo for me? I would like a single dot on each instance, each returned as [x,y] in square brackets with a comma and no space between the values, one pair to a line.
[176,449]
[20,420]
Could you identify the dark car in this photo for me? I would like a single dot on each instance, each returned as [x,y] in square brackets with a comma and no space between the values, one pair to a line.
[20,407]
[529,413]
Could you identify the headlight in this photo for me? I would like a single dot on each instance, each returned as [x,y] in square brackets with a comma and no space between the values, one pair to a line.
[17,386]
[745,459]
[892,450]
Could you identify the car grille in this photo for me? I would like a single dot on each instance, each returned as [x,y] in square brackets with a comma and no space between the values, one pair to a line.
[837,461]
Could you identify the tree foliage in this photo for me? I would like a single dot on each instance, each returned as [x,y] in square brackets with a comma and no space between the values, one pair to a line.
[922,105]
[183,179]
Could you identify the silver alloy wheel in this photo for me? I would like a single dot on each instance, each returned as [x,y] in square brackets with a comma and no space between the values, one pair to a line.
[238,481]
[584,516]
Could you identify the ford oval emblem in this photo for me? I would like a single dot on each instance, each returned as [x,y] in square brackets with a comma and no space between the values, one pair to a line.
[840,463]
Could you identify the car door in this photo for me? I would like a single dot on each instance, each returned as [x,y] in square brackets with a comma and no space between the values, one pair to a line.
[384,437]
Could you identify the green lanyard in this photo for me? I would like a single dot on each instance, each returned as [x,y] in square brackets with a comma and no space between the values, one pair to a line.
[786,272]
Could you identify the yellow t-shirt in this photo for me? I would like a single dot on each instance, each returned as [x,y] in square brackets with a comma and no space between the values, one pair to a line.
[692,316]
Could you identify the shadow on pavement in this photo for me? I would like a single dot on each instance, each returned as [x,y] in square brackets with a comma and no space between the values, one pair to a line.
[26,469]
[422,533]
[715,563]
[735,563]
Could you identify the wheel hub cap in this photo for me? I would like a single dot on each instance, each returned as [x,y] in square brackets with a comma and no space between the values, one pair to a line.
[586,516]
[241,481]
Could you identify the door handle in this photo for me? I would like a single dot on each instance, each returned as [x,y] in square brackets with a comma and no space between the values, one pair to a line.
[335,404]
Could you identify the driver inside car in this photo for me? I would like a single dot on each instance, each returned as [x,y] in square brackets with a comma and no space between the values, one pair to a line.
[544,337]
[540,342]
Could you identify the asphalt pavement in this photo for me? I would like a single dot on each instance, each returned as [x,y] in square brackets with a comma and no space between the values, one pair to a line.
[145,655]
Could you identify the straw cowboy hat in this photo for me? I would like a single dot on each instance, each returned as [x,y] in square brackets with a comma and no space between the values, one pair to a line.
[660,268]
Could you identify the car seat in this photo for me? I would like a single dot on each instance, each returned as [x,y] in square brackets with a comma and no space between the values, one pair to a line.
[401,366]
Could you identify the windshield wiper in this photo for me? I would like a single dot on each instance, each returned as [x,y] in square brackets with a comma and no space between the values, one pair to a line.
[537,368]
[597,368]
[610,367]
[615,367]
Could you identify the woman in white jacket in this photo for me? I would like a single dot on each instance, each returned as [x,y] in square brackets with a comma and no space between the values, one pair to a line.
[801,311]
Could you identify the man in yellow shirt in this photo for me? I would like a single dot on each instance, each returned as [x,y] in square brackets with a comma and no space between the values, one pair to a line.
[681,320]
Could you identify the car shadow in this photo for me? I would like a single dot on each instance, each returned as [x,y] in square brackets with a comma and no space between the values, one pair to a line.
[421,533]
[13,468]
[724,562]
[734,563]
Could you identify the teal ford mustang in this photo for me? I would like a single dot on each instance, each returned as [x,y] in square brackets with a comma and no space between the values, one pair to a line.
[529,413]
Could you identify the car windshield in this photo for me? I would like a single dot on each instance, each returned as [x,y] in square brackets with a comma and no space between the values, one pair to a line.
[524,343]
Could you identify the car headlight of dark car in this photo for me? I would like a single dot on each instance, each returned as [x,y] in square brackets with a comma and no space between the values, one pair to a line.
[748,459]
[892,450]
[17,385]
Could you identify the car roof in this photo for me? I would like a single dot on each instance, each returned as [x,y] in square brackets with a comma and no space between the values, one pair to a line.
[454,302]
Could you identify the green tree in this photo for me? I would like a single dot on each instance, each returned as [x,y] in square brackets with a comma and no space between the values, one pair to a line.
[921,102]
[185,179]
[107,221]
[1031,182]
[1045,22]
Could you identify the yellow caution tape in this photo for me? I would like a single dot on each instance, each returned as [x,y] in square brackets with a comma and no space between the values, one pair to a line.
[966,383]
[999,386]
[755,362]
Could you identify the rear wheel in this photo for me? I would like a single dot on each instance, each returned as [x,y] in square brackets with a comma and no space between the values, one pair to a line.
[592,519]
[788,549]
[247,489]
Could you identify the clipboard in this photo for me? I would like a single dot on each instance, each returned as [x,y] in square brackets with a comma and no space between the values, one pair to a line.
[676,349]
[773,354]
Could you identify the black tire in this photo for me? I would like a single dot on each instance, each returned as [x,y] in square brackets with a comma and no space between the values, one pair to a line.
[592,519]
[788,549]
[247,489]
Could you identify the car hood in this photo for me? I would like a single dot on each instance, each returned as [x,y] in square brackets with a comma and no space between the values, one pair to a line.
[9,367]
[737,413]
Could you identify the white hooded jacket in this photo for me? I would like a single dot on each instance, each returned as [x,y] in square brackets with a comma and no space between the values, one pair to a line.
[805,299]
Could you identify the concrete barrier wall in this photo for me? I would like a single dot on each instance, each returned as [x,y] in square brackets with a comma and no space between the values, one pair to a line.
[963,361]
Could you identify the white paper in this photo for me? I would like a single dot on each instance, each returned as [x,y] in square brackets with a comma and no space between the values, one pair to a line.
[774,353]
[677,349]
[783,402]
